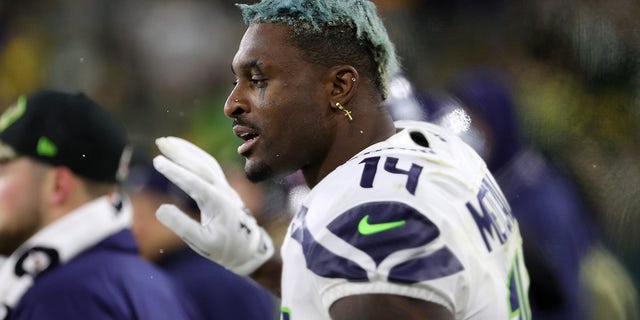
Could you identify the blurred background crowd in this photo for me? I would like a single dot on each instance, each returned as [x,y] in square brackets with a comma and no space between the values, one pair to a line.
[566,72]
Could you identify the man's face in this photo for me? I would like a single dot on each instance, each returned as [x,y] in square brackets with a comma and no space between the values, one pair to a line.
[279,104]
[153,237]
[20,192]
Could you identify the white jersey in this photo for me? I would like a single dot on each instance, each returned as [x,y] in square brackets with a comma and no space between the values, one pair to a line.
[418,215]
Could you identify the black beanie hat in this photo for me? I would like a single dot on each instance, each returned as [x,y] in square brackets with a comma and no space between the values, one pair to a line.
[64,129]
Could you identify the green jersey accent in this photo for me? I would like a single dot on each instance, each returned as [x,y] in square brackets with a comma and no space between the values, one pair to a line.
[365,228]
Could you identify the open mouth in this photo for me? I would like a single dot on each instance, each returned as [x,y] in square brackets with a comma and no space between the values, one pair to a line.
[248,135]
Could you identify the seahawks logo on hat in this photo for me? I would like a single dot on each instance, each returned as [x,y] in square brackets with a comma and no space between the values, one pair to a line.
[13,113]
[46,147]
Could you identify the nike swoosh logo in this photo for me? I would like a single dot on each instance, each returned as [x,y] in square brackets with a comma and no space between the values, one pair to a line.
[365,228]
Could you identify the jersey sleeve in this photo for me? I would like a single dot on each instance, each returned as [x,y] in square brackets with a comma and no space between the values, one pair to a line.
[419,216]
[378,237]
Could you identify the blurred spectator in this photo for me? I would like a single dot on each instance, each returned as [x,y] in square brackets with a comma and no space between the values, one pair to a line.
[569,266]
[64,224]
[217,292]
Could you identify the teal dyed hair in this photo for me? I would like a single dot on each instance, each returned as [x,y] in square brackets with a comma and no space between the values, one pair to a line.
[332,32]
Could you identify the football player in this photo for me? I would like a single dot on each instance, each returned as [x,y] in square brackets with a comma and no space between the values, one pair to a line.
[403,220]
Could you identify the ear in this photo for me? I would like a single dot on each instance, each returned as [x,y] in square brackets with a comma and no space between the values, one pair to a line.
[344,82]
[61,185]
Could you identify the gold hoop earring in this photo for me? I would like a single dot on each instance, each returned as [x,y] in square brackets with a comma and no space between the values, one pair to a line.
[347,113]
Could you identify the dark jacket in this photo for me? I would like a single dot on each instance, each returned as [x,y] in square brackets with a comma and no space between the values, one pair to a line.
[107,281]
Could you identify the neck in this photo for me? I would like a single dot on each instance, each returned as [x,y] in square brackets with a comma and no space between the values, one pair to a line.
[352,137]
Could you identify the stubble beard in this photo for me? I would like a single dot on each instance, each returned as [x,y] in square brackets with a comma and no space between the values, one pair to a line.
[257,171]
[12,240]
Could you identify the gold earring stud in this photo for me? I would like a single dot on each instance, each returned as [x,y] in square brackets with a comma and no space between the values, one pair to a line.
[347,113]
[235,100]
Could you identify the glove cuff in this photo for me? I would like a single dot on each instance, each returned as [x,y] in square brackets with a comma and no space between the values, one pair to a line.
[264,251]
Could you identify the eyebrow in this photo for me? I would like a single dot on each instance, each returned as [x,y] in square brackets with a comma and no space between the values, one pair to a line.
[252,64]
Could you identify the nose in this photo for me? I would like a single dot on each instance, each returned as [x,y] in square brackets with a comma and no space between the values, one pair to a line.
[234,106]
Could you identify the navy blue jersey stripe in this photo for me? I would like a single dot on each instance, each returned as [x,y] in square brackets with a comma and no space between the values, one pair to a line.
[320,260]
[415,232]
[378,229]
[439,264]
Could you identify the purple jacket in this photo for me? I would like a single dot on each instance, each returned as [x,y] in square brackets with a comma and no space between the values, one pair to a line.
[107,281]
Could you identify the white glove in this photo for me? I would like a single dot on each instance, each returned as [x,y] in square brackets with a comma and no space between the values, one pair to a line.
[227,233]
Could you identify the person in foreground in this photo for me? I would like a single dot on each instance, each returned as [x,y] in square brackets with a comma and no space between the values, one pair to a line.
[63,225]
[403,220]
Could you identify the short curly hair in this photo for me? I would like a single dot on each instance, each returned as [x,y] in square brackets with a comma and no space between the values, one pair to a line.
[333,32]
